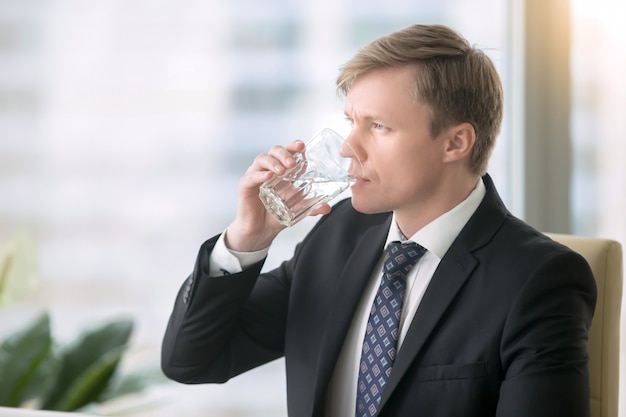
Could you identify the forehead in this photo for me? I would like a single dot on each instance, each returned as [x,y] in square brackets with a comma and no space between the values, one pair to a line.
[382,91]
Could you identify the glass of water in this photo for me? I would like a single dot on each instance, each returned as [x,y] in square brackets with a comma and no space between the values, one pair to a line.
[325,168]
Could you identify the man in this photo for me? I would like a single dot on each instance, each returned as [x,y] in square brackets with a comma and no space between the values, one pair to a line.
[492,318]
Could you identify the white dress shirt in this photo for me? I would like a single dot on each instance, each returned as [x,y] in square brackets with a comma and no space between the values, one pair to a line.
[436,237]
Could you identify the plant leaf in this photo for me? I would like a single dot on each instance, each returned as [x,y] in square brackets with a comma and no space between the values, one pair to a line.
[18,268]
[91,383]
[90,347]
[134,382]
[26,364]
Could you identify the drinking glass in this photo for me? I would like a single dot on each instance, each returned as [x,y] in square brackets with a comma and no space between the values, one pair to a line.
[325,168]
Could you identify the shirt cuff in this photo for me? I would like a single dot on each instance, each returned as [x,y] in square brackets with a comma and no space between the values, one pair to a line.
[224,261]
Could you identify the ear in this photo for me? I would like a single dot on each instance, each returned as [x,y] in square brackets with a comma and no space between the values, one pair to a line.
[460,141]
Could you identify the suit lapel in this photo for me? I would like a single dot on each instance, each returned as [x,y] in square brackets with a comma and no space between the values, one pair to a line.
[453,271]
[353,280]
[444,286]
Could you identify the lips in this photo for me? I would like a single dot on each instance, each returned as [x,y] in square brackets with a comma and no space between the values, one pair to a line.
[356,172]
[357,176]
[359,180]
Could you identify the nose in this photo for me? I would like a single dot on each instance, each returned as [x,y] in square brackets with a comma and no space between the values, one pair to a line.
[350,148]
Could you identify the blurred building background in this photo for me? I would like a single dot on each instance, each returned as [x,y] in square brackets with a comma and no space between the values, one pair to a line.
[125,126]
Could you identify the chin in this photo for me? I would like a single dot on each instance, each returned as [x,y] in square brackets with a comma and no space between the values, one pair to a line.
[362,205]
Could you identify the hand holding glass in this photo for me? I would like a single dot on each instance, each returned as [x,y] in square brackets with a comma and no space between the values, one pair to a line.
[322,172]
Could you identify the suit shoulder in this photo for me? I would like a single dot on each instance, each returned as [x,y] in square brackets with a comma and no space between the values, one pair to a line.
[523,247]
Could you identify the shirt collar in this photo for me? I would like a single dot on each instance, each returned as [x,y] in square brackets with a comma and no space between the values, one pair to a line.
[438,235]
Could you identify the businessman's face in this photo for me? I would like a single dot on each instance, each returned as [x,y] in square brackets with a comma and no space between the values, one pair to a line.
[403,164]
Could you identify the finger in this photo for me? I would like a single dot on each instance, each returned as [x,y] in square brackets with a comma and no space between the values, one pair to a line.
[295,146]
[283,155]
[255,177]
[267,162]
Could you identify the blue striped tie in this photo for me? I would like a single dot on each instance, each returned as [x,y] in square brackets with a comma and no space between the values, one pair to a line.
[381,335]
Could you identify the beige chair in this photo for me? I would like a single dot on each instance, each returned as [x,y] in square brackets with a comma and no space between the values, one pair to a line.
[605,258]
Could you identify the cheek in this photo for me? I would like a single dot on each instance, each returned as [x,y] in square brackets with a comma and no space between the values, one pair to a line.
[399,165]
[408,172]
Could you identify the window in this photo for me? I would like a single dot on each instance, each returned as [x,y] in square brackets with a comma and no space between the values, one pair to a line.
[126,126]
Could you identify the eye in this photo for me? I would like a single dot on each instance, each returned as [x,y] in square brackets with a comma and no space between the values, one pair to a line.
[379,127]
[349,121]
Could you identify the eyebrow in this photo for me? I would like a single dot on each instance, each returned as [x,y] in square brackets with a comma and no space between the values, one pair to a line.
[366,117]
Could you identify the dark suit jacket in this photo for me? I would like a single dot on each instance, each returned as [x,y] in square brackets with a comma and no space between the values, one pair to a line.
[501,330]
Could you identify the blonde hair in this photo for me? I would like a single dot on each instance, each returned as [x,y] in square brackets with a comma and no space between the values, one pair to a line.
[457,81]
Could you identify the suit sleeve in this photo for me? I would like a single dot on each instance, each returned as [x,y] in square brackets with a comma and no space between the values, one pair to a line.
[219,327]
[544,342]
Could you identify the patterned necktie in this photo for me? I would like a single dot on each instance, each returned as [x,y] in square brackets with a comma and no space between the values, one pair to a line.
[381,335]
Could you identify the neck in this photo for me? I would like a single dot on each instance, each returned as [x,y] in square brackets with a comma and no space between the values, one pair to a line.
[448,195]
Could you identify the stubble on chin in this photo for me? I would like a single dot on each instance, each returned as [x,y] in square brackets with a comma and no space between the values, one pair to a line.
[366,206]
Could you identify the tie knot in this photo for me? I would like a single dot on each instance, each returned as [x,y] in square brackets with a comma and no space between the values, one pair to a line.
[401,256]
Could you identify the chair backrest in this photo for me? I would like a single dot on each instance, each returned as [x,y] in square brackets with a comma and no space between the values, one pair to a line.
[605,258]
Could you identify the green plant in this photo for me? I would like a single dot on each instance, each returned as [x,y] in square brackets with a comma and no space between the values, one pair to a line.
[38,373]
[18,266]
[26,364]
